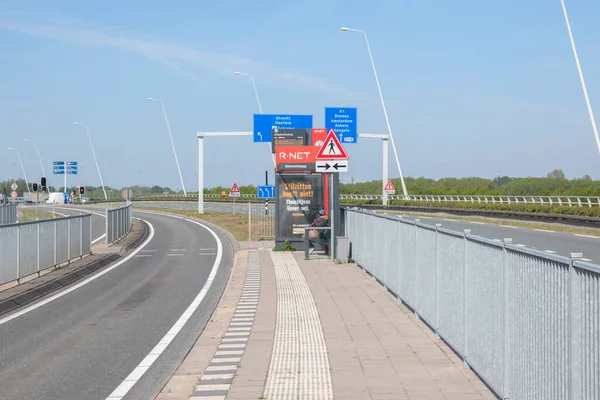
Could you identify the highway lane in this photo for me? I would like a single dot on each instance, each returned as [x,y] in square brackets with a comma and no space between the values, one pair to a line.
[85,343]
[557,242]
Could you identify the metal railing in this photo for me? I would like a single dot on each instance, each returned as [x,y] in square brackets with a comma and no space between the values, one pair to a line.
[261,221]
[30,247]
[528,322]
[8,214]
[571,201]
[118,223]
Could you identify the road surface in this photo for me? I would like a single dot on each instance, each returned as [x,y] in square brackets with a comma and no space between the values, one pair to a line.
[84,344]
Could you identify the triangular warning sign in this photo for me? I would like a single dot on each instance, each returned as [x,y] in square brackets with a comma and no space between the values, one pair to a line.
[389,187]
[332,149]
[235,190]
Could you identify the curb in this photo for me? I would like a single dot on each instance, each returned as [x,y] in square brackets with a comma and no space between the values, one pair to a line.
[18,300]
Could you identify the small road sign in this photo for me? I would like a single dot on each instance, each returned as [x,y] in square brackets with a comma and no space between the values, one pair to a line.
[265,123]
[14,194]
[266,192]
[389,187]
[14,186]
[331,166]
[234,191]
[332,149]
[343,122]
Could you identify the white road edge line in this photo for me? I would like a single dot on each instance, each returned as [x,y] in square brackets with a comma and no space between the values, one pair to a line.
[587,236]
[550,251]
[543,230]
[478,223]
[160,347]
[80,284]
[508,226]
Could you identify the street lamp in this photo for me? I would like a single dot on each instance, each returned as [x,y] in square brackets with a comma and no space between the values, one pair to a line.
[383,104]
[38,154]
[22,169]
[95,159]
[172,143]
[583,86]
[254,85]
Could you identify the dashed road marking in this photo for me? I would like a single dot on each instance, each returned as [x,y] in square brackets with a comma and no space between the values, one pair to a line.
[174,255]
[550,251]
[147,251]
[478,223]
[543,230]
[177,250]
[143,255]
[508,226]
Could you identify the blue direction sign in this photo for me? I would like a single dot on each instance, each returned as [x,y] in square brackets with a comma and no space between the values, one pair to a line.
[62,167]
[265,123]
[266,192]
[343,122]
[59,163]
[71,162]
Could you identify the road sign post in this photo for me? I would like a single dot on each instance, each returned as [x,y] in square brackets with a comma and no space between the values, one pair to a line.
[388,189]
[234,192]
[343,122]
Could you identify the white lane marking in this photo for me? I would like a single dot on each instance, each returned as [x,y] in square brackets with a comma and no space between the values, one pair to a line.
[448,219]
[143,255]
[497,240]
[543,230]
[478,223]
[521,245]
[550,251]
[177,250]
[139,371]
[80,284]
[144,251]
[207,249]
[508,226]
[587,259]
[99,238]
[174,255]
[587,236]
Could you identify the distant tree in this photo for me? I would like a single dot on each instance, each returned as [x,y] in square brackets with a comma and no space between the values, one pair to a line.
[556,174]
[156,189]
[587,178]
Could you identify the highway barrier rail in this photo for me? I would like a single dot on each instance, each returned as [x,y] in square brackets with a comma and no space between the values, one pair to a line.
[528,322]
[29,248]
[8,214]
[118,223]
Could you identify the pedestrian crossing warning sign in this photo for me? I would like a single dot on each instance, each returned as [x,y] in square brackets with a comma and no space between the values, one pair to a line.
[332,149]
[234,191]
[389,187]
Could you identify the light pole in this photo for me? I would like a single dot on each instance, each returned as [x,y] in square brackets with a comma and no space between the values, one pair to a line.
[253,85]
[95,159]
[384,109]
[37,150]
[583,86]
[172,143]
[22,169]
[259,106]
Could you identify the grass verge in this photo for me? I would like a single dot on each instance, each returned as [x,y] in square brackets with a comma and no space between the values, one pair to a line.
[508,222]
[236,224]
[29,214]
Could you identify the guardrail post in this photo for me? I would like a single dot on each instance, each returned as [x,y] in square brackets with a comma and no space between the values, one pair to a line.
[506,356]
[249,221]
[69,240]
[416,274]
[107,224]
[18,252]
[55,261]
[575,391]
[465,291]
[437,283]
[81,235]
[38,248]
[90,217]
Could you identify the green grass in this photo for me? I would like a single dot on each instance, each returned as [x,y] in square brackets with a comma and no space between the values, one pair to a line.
[29,214]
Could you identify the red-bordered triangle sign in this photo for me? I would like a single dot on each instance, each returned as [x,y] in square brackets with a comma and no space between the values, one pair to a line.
[389,187]
[332,149]
[234,188]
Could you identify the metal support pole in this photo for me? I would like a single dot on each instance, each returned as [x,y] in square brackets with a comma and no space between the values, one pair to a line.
[332,219]
[200,173]
[81,235]
[38,248]
[18,252]
[465,302]
[385,178]
[249,221]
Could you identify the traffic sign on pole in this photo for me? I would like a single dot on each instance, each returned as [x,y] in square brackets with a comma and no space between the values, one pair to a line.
[14,186]
[234,191]
[331,166]
[389,187]
[332,149]
[343,122]
[266,192]
[14,194]
[265,123]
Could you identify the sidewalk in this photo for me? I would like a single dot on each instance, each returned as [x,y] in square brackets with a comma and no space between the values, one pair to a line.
[313,329]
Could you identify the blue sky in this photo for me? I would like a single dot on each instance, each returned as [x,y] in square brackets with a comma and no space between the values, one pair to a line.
[472,88]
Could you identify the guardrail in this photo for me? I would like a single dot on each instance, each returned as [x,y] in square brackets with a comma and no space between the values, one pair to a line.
[526,321]
[29,248]
[118,223]
[8,214]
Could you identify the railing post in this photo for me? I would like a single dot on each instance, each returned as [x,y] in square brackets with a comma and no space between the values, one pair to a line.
[38,247]
[249,221]
[18,252]
[465,303]
[506,356]
[90,217]
[416,269]
[55,255]
[575,391]
[81,235]
[69,239]
[437,282]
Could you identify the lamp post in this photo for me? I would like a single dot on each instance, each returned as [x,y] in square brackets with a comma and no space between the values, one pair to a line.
[253,85]
[95,159]
[22,169]
[383,104]
[38,154]
[583,86]
[172,143]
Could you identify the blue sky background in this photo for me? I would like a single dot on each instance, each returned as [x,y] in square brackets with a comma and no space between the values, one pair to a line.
[472,88]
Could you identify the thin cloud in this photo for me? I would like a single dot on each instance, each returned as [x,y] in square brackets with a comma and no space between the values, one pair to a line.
[173,55]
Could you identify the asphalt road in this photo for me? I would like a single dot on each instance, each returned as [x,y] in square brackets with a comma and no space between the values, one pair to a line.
[85,343]
[556,242]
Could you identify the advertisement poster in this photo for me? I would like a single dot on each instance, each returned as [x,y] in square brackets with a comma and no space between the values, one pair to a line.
[300,198]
